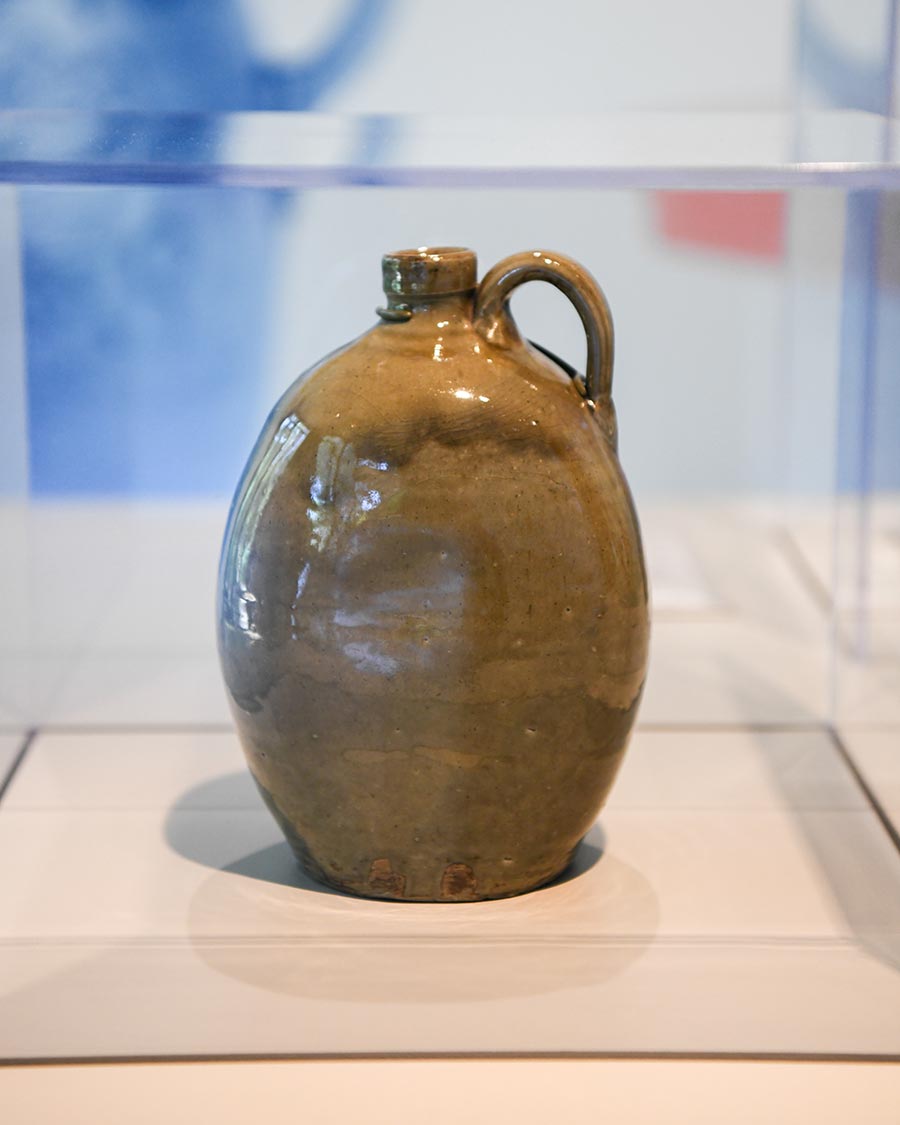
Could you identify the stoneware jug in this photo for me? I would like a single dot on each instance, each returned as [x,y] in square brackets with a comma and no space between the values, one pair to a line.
[433,616]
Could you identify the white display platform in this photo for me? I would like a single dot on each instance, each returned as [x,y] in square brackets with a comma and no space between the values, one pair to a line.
[445,1092]
[739,896]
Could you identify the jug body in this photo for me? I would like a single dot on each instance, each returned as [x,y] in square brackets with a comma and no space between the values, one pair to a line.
[433,616]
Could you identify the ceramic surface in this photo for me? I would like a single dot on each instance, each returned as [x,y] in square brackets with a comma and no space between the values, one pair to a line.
[433,605]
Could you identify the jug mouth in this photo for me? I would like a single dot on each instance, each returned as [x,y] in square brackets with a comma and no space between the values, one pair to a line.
[429,270]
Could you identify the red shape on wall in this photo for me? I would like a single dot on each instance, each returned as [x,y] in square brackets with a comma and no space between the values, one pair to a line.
[738,222]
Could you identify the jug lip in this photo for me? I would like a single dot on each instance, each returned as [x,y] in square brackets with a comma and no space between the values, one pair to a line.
[429,270]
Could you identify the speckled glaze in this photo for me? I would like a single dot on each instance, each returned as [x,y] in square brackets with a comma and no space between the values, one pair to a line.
[433,615]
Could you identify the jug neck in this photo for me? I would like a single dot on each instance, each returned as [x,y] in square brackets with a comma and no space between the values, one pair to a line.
[432,282]
[446,310]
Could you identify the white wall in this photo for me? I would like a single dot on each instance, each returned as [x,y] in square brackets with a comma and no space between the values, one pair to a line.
[534,56]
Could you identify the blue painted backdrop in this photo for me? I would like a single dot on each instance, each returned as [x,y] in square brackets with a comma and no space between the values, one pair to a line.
[146,308]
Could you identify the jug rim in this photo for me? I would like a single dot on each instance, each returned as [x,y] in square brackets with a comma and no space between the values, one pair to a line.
[429,270]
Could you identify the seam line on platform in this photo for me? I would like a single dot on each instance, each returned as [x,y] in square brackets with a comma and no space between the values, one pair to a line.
[868,792]
[17,762]
[434,1056]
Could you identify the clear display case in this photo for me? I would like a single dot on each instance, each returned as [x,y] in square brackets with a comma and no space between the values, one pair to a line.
[162,277]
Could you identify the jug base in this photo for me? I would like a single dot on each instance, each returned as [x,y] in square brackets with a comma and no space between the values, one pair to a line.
[458,883]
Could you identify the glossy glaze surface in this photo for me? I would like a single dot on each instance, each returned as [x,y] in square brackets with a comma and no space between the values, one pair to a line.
[433,607]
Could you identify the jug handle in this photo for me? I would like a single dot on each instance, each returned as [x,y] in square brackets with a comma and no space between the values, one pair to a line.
[494,321]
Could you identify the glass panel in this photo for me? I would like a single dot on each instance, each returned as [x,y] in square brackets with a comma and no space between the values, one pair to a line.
[739,149]
[163,277]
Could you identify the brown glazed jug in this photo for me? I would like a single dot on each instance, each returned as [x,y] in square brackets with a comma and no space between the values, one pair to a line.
[433,616]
